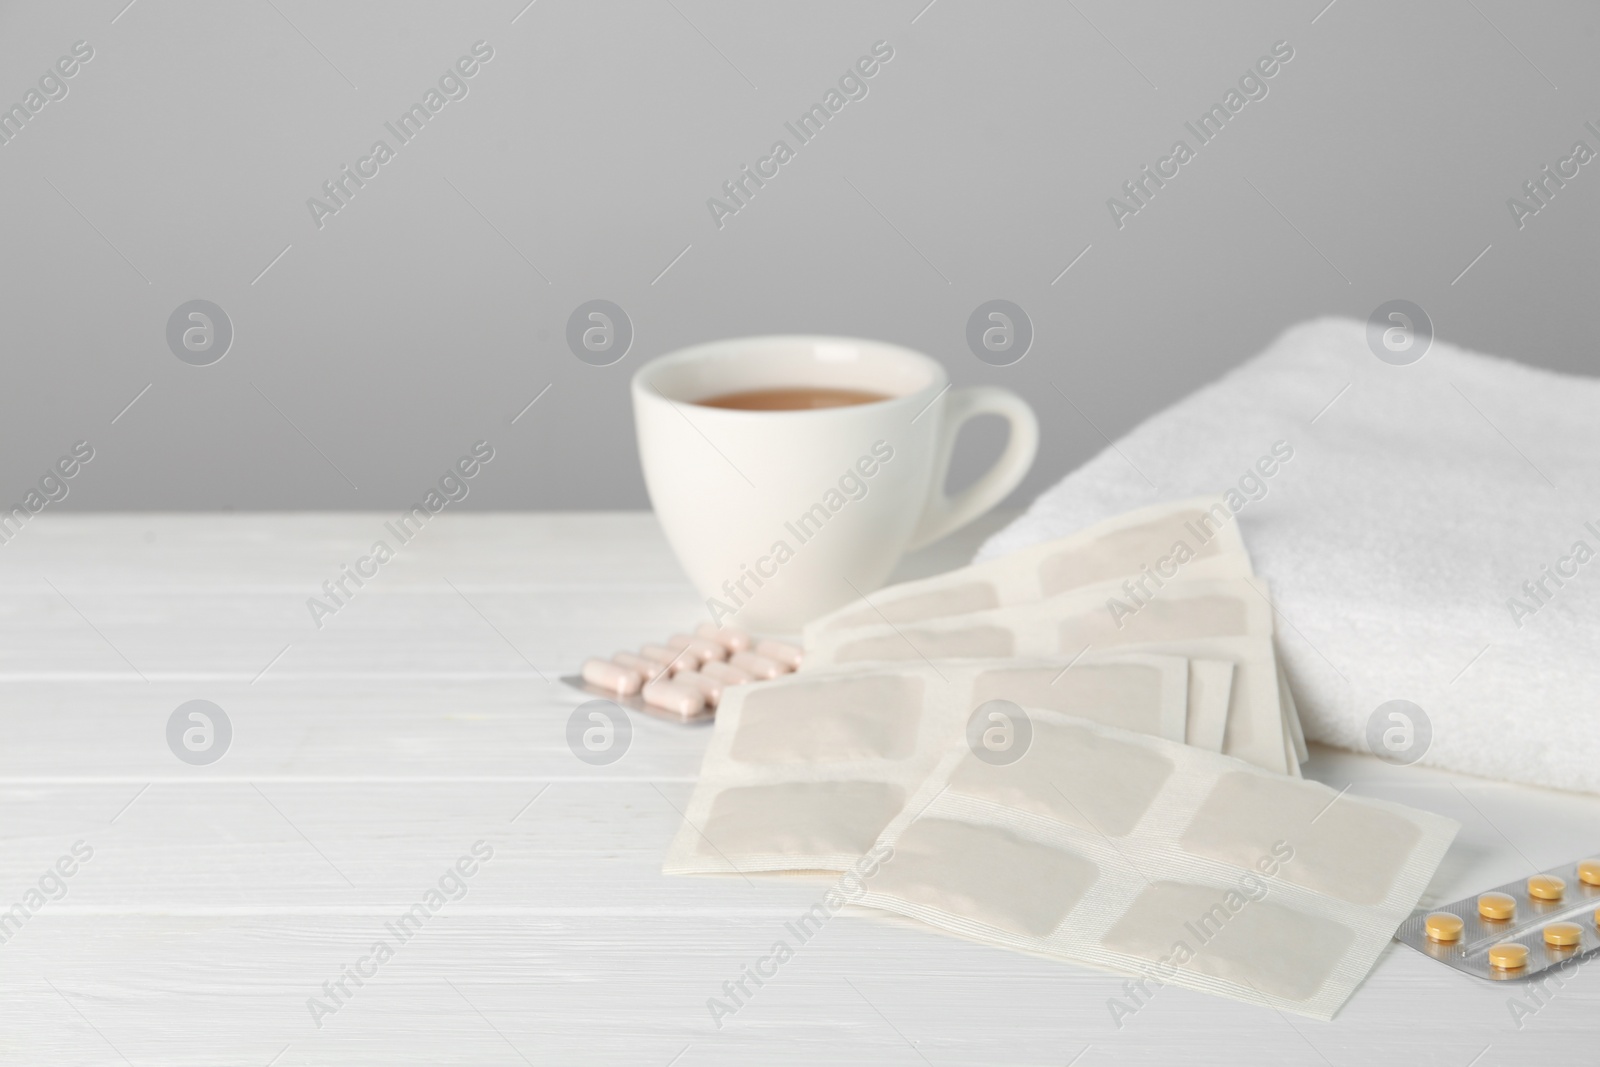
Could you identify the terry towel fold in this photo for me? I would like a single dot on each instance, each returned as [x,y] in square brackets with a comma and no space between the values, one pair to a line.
[1434,537]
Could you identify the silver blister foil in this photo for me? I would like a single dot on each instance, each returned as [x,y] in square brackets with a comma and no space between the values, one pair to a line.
[1470,953]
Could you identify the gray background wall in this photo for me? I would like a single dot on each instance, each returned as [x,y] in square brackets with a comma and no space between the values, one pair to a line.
[427,313]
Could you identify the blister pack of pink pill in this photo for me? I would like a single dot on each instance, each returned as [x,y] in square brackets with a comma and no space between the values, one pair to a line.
[683,680]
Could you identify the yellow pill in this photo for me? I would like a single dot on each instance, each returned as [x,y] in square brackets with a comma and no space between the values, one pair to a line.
[1508,956]
[1546,887]
[1563,934]
[1589,872]
[1496,906]
[1443,926]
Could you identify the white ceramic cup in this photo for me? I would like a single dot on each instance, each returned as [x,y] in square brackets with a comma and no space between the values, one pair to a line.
[780,516]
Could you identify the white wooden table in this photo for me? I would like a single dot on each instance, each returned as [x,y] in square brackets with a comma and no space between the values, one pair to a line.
[369,755]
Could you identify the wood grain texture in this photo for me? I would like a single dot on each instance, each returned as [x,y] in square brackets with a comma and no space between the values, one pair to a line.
[378,749]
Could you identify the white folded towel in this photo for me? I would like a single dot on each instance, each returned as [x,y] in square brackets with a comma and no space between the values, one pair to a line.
[1398,538]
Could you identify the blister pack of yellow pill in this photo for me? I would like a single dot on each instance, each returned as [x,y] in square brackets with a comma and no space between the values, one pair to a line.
[1518,930]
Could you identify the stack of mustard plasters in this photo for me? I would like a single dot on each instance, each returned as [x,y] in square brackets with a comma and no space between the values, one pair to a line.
[1084,750]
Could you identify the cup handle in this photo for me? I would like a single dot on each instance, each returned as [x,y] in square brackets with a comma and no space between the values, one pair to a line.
[943,514]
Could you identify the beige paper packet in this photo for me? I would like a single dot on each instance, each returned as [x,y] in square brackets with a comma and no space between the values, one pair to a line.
[1178,866]
[803,772]
[1218,619]
[1186,539]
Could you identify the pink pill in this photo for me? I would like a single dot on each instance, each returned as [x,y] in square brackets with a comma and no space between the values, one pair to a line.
[781,652]
[709,687]
[725,673]
[613,676]
[729,637]
[703,649]
[760,666]
[671,658]
[646,668]
[670,696]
